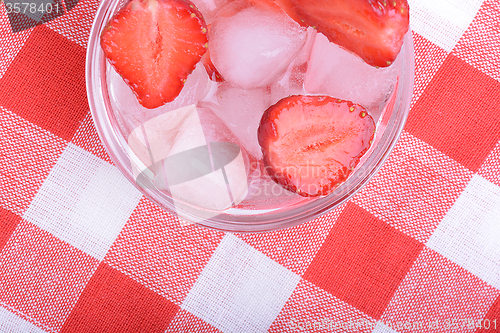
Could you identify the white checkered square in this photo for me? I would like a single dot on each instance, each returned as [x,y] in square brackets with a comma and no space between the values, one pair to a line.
[442,22]
[240,289]
[469,234]
[382,328]
[12,323]
[84,201]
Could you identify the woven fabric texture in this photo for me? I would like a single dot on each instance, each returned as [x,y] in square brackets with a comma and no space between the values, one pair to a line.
[416,250]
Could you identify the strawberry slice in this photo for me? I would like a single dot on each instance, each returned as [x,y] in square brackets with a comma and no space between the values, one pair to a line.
[372,29]
[312,143]
[154,45]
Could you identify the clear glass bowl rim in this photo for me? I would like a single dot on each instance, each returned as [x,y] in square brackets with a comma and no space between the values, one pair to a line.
[116,146]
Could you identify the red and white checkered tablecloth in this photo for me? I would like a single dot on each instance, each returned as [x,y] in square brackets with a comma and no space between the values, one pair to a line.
[417,250]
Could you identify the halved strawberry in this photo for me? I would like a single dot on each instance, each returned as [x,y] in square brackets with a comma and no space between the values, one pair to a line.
[154,45]
[373,29]
[312,143]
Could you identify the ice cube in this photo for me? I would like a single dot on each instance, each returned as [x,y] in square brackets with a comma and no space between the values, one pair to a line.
[254,46]
[305,52]
[192,156]
[337,72]
[292,82]
[241,111]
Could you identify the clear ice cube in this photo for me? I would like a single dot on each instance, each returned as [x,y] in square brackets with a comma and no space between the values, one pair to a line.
[254,46]
[241,111]
[337,72]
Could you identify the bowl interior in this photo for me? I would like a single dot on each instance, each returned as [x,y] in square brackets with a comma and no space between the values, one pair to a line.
[255,203]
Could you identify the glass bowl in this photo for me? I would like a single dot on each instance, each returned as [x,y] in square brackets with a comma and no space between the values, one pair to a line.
[237,195]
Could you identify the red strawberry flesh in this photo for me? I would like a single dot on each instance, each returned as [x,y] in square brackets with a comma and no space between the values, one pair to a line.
[154,45]
[311,144]
[372,29]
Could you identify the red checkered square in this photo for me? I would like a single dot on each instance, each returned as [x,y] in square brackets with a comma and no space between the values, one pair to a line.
[157,251]
[10,43]
[112,302]
[363,260]
[329,314]
[469,234]
[86,137]
[480,45]
[435,291]
[490,169]
[48,76]
[41,276]
[415,188]
[428,58]
[491,322]
[184,321]
[8,223]
[27,154]
[298,245]
[454,114]
[76,24]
